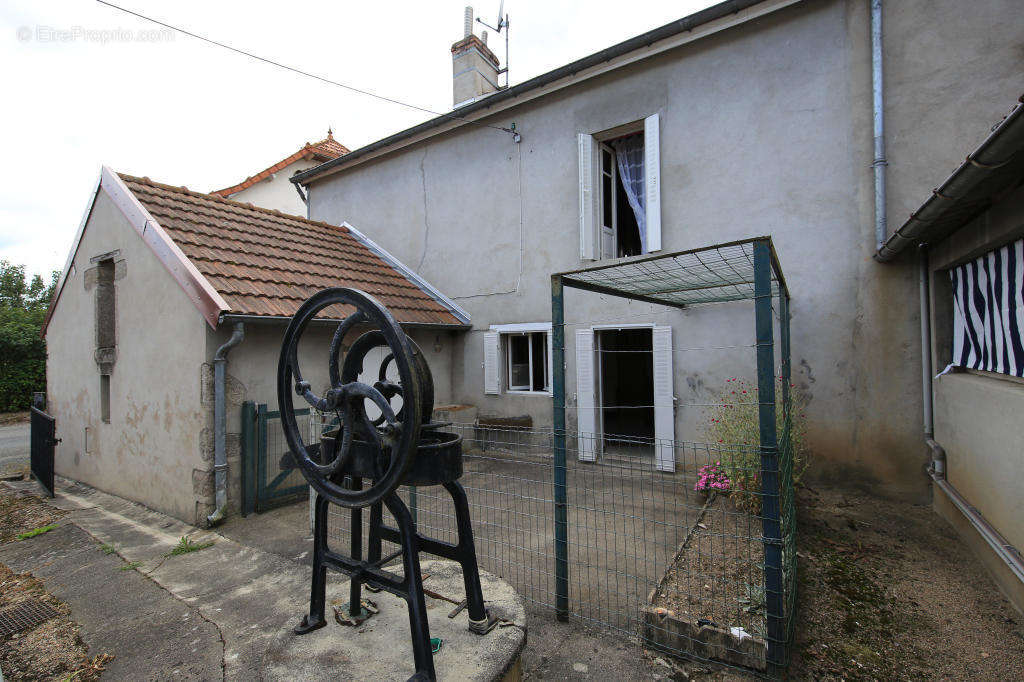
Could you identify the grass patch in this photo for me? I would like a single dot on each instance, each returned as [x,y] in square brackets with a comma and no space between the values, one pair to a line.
[35,531]
[186,545]
[108,549]
[131,566]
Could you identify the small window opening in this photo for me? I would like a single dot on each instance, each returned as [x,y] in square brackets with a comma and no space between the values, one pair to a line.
[105,398]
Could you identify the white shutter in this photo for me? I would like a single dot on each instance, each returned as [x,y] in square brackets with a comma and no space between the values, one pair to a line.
[586,419]
[664,401]
[652,180]
[551,360]
[492,366]
[587,199]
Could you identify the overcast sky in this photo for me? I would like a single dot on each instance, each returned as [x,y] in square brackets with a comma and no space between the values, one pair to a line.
[84,86]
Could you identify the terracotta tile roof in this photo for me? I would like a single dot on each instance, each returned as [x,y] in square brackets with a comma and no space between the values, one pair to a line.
[324,150]
[264,262]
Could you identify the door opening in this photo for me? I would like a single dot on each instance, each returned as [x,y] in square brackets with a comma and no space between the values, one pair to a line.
[625,391]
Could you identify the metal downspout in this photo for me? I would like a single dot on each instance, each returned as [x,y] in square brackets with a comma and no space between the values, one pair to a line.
[937,468]
[878,111]
[926,341]
[220,418]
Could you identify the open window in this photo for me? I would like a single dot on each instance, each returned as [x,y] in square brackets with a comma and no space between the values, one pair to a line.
[517,359]
[619,185]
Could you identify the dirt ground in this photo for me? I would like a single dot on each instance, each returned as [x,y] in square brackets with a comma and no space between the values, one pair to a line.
[887,591]
[52,650]
[718,575]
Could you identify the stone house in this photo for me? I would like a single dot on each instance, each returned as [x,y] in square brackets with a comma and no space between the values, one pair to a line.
[161,287]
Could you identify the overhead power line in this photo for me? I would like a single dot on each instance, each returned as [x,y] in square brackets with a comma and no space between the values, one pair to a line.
[301,72]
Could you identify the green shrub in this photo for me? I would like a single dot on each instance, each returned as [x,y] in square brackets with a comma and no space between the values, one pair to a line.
[23,306]
[733,426]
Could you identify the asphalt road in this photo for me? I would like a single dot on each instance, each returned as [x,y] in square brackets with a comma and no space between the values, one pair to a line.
[13,447]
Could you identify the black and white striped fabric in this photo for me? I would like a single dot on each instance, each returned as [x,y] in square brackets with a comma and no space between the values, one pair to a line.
[988,311]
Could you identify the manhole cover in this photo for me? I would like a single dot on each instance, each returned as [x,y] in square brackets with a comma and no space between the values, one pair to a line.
[24,616]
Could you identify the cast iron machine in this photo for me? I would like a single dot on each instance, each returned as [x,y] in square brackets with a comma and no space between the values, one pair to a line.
[361,461]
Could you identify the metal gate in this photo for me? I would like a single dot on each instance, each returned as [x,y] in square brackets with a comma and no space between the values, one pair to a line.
[265,484]
[43,441]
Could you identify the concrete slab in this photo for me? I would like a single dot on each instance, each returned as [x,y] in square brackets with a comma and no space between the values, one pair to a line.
[381,648]
[251,598]
[152,635]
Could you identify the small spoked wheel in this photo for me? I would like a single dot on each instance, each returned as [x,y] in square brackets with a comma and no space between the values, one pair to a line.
[385,444]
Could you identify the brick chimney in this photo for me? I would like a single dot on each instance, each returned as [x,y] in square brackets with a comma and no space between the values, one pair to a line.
[474,67]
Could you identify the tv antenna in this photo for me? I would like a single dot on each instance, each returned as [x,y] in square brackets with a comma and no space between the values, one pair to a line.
[502,23]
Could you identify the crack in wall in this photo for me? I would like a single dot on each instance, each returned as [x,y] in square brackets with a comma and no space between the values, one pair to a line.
[426,219]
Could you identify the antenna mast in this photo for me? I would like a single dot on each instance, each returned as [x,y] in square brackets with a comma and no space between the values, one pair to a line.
[502,24]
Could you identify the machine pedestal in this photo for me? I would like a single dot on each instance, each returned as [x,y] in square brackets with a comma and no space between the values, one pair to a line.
[378,649]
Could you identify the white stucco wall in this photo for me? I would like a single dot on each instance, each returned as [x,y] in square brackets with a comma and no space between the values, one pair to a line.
[151,446]
[277,191]
[765,130]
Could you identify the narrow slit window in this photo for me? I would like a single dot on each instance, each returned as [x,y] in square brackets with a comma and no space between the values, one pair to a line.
[105,398]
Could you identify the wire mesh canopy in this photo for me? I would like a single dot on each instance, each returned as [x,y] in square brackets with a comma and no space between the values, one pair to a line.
[713,274]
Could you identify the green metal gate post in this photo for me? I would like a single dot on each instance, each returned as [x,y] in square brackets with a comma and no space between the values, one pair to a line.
[771,527]
[261,454]
[787,510]
[558,394]
[248,457]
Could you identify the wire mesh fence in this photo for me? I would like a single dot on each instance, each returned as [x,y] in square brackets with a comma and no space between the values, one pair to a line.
[649,556]
[687,547]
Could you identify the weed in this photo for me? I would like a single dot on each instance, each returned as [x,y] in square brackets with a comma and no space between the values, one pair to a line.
[131,566]
[108,549]
[36,531]
[733,426]
[186,545]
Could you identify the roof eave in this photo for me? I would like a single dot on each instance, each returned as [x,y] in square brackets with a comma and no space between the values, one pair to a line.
[693,27]
[203,295]
[248,318]
[967,184]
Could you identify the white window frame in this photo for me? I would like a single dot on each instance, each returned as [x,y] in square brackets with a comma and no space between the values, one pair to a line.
[504,332]
[591,218]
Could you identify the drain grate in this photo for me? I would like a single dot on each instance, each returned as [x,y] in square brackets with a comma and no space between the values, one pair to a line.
[24,616]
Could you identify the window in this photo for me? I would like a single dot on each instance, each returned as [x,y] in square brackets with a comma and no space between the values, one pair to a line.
[105,398]
[988,311]
[517,358]
[619,186]
[527,355]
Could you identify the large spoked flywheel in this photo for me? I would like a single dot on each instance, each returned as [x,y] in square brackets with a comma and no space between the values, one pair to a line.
[382,444]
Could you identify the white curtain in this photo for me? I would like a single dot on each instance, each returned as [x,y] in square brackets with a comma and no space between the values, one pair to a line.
[629,156]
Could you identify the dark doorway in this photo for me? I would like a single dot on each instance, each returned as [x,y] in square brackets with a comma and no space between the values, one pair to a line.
[626,373]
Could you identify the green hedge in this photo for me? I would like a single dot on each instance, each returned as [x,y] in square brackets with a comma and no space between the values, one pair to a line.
[23,306]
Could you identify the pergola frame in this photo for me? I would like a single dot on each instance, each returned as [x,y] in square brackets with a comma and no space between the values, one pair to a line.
[742,270]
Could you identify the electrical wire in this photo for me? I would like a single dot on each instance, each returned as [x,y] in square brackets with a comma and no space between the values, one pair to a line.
[293,69]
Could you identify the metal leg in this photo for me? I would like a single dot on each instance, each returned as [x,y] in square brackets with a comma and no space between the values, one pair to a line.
[376,520]
[418,626]
[467,553]
[355,584]
[317,597]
